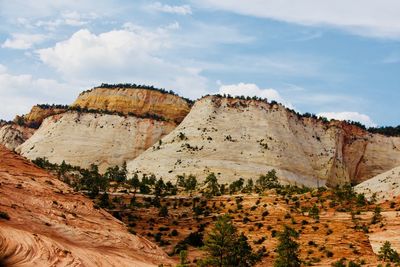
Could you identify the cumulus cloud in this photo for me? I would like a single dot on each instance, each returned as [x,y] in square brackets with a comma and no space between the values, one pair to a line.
[352,116]
[181,10]
[20,92]
[23,41]
[130,54]
[363,17]
[251,89]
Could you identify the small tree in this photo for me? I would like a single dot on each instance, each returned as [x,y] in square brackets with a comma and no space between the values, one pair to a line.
[236,186]
[104,200]
[226,248]
[135,183]
[191,183]
[212,186]
[163,211]
[249,186]
[159,188]
[268,181]
[314,212]
[387,253]
[287,249]
[183,259]
[377,215]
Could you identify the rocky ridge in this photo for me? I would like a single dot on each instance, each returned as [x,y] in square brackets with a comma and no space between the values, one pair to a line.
[82,139]
[245,138]
[136,101]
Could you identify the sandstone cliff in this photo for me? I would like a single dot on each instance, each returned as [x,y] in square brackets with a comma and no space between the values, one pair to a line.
[137,101]
[84,138]
[50,225]
[244,138]
[386,186]
[13,135]
[38,113]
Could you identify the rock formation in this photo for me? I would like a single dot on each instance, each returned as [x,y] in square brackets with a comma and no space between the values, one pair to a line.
[137,101]
[82,138]
[50,225]
[38,113]
[245,138]
[385,186]
[13,135]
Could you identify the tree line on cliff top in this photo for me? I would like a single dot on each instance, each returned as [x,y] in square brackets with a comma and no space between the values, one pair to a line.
[385,130]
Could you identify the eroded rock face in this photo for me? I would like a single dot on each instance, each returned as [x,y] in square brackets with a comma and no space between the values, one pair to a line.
[82,139]
[40,112]
[244,138]
[137,101]
[51,225]
[13,135]
[385,186]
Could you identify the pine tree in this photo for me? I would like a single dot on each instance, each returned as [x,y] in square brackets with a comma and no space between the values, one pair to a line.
[135,183]
[387,253]
[220,241]
[287,249]
[212,186]
[226,248]
[163,211]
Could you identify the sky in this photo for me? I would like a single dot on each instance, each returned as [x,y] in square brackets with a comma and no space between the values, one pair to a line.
[335,58]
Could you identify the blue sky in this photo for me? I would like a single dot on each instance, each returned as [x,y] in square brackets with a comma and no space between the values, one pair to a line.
[334,58]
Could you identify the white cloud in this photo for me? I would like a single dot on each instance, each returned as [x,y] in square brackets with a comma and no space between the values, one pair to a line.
[23,41]
[127,55]
[352,116]
[3,69]
[67,18]
[251,89]
[19,93]
[181,10]
[48,8]
[363,17]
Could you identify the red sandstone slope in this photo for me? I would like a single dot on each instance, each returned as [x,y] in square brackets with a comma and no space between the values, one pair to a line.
[50,225]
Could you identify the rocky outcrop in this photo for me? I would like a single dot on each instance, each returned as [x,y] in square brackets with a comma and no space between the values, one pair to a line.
[140,102]
[38,113]
[82,138]
[245,138]
[13,135]
[385,186]
[51,225]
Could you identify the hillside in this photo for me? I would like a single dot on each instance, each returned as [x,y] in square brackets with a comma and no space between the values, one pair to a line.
[245,138]
[82,138]
[44,223]
[385,186]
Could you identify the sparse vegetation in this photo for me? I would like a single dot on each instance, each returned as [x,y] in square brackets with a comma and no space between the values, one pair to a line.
[178,221]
